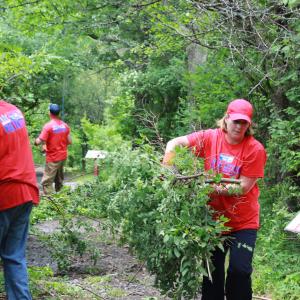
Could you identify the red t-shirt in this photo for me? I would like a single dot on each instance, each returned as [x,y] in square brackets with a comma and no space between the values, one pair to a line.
[18,183]
[247,158]
[55,134]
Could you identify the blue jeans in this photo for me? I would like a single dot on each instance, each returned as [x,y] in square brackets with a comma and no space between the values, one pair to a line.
[14,224]
[240,245]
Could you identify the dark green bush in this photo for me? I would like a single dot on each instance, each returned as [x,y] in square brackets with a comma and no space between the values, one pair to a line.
[167,223]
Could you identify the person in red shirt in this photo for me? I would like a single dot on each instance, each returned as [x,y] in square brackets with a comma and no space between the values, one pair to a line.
[18,193]
[55,138]
[230,150]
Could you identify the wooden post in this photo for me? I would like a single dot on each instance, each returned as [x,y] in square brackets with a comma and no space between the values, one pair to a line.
[96,167]
[96,154]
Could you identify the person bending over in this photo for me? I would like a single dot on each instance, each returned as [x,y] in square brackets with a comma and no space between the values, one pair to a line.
[230,150]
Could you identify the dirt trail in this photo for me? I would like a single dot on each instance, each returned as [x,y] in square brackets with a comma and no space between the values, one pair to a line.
[120,275]
[116,275]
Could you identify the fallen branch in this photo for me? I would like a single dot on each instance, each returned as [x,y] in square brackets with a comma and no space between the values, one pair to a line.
[134,276]
[44,290]
[89,290]
[223,180]
[261,298]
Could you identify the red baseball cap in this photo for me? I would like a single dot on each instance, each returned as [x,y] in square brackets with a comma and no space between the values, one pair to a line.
[240,109]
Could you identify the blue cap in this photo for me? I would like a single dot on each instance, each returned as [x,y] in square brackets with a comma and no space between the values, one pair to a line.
[54,108]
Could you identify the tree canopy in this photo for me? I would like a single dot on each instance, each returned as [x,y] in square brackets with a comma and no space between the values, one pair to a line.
[134,73]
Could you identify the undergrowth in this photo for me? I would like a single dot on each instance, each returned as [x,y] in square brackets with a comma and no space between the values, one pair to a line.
[277,259]
[168,224]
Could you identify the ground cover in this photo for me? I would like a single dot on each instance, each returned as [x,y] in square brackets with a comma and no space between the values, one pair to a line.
[115,275]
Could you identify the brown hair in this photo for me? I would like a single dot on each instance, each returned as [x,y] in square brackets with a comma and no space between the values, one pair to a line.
[222,124]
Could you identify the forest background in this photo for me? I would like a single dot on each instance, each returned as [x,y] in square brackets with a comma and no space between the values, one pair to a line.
[130,75]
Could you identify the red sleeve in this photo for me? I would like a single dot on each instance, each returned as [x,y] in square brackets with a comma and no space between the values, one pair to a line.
[254,163]
[45,133]
[199,140]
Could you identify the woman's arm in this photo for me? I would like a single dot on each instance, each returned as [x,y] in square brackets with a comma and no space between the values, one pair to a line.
[171,145]
[247,183]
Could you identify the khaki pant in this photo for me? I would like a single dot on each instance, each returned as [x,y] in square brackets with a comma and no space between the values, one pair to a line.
[54,172]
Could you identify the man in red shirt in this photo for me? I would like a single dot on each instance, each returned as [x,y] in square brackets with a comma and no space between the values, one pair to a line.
[55,138]
[18,193]
[232,151]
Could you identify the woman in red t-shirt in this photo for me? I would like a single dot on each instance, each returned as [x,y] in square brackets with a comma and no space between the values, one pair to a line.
[230,150]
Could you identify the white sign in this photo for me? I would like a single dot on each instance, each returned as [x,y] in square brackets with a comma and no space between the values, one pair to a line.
[294,225]
[96,154]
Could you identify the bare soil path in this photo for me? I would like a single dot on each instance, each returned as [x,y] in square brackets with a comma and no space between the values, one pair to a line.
[116,275]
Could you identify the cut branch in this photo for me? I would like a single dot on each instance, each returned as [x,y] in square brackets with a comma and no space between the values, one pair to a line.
[222,180]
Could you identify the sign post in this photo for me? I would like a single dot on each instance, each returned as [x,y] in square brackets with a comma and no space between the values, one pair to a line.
[96,154]
[294,225]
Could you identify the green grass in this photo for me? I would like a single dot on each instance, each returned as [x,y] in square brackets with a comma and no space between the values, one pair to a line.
[84,178]
[276,260]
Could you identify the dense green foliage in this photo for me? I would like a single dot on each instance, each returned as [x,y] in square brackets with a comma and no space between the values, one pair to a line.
[276,262]
[167,224]
[126,72]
